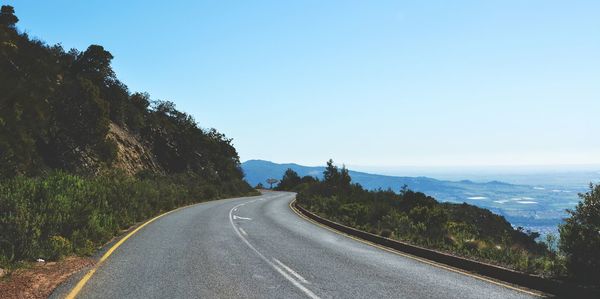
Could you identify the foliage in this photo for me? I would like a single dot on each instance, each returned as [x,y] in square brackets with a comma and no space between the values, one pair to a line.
[414,217]
[580,238]
[56,107]
[7,16]
[58,192]
[58,247]
[53,216]
[289,180]
[271,181]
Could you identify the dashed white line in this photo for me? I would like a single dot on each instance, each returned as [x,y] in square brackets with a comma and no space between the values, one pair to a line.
[285,275]
[298,276]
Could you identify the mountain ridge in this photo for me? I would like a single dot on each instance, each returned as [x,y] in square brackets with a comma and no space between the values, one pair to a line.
[317,171]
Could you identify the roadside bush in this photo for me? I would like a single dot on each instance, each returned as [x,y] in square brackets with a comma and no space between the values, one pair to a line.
[386,233]
[82,245]
[419,219]
[580,238]
[53,216]
[58,247]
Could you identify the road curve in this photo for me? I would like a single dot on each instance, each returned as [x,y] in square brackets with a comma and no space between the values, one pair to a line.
[256,247]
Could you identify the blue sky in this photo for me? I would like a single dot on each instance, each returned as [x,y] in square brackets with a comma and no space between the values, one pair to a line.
[367,83]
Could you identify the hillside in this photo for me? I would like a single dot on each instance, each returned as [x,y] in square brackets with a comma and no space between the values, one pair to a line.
[67,110]
[417,218]
[83,158]
[132,155]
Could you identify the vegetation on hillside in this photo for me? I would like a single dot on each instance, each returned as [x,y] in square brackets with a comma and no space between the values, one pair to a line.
[56,107]
[460,229]
[59,190]
[55,215]
[580,238]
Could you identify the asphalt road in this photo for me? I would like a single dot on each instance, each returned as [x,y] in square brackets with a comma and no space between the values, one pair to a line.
[256,247]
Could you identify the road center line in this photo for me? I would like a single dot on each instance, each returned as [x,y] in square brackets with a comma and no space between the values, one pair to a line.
[287,276]
[298,276]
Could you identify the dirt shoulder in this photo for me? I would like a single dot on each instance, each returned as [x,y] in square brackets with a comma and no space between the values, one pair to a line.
[39,280]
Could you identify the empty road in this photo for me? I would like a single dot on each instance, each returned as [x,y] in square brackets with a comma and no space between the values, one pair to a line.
[256,247]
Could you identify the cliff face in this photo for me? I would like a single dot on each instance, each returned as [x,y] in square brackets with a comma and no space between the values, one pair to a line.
[132,155]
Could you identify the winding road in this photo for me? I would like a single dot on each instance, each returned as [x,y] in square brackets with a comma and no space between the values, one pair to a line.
[257,247]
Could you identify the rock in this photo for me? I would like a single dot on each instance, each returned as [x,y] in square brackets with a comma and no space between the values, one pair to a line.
[40,261]
[2,272]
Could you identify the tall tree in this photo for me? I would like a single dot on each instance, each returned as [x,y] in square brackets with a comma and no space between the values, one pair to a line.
[271,182]
[94,64]
[337,180]
[289,180]
[7,16]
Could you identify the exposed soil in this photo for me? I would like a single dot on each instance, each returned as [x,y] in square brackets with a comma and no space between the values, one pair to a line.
[39,280]
[132,155]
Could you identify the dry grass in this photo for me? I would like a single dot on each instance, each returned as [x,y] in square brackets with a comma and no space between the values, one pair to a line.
[39,280]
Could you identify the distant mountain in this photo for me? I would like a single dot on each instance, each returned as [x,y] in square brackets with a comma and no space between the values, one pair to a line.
[259,171]
[532,207]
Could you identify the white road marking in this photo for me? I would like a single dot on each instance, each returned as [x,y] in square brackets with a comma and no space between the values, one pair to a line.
[243,232]
[298,276]
[238,217]
[285,275]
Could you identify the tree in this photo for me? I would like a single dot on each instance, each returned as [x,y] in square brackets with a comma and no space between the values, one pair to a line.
[271,182]
[94,64]
[136,111]
[57,108]
[307,179]
[259,186]
[7,16]
[336,180]
[580,237]
[331,172]
[289,180]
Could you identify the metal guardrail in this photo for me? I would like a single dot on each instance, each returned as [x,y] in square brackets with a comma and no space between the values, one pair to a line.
[550,286]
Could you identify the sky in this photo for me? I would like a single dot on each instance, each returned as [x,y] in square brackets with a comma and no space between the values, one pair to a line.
[367,83]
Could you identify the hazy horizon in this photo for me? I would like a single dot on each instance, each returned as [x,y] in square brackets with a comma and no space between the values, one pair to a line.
[453,168]
[547,175]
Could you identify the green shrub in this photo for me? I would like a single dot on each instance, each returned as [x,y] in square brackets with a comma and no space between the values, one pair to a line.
[61,213]
[414,217]
[86,248]
[580,238]
[58,247]
[386,233]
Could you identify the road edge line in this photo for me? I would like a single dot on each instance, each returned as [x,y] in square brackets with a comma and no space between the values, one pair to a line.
[82,282]
[420,259]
